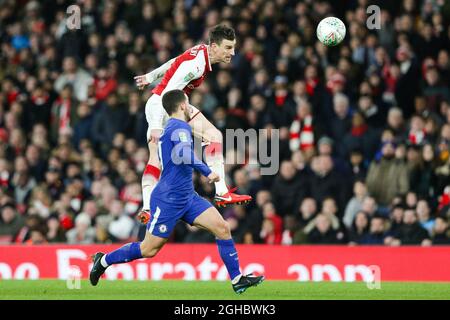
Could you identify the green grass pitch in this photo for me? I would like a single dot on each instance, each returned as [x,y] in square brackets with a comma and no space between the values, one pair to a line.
[215,290]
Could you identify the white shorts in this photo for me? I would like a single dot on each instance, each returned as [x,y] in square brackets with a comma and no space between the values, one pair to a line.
[157,116]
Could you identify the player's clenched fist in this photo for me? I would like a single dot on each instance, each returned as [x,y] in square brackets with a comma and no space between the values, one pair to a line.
[144,216]
[213,177]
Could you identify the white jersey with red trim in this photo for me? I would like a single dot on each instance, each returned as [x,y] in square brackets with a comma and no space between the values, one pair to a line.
[187,71]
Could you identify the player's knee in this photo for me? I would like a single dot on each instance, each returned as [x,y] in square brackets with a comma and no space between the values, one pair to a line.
[223,230]
[148,251]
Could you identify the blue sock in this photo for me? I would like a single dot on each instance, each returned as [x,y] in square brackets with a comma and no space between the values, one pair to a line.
[129,252]
[229,256]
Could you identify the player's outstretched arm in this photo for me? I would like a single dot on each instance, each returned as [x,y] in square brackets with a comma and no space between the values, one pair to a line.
[186,155]
[200,166]
[155,75]
[185,72]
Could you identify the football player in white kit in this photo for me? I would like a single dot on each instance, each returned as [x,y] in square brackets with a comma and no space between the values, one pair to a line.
[186,72]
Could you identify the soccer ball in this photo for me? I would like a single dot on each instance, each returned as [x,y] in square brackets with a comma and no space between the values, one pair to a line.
[331,31]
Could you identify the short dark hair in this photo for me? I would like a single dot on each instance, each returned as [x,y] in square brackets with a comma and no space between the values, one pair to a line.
[220,32]
[8,205]
[172,99]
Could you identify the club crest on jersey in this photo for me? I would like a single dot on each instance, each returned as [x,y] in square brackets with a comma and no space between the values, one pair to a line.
[189,77]
[162,228]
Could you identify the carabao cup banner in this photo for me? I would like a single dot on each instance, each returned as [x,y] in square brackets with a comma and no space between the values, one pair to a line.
[202,262]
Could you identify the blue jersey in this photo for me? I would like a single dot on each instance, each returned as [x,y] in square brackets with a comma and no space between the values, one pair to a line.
[176,154]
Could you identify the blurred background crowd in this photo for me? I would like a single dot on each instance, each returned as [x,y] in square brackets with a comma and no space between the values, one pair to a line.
[364,127]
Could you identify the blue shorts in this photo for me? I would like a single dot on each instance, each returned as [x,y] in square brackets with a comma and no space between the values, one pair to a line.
[165,215]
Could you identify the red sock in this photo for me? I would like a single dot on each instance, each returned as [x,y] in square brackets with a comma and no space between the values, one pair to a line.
[152,170]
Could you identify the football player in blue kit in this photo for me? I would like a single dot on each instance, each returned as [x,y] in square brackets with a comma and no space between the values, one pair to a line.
[174,198]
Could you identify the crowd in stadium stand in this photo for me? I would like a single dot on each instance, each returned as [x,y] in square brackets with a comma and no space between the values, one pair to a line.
[364,127]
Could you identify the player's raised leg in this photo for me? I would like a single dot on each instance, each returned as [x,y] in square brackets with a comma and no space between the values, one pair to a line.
[204,129]
[150,176]
[148,248]
[211,220]
[156,119]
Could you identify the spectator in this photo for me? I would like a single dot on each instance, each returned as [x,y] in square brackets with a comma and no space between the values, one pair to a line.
[32,222]
[416,135]
[325,147]
[423,213]
[64,112]
[11,222]
[287,189]
[255,217]
[323,233]
[358,165]
[441,232]
[75,76]
[328,209]
[290,228]
[137,125]
[411,232]
[121,227]
[82,128]
[307,210]
[395,123]
[370,206]
[408,80]
[355,203]
[396,219]
[359,229]
[271,231]
[372,113]
[302,128]
[104,84]
[150,19]
[434,90]
[37,236]
[39,138]
[244,184]
[307,215]
[110,119]
[40,200]
[326,181]
[22,183]
[300,163]
[377,232]
[53,182]
[82,233]
[360,136]
[5,173]
[38,108]
[387,177]
[425,177]
[411,200]
[282,109]
[35,161]
[342,123]
[56,233]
